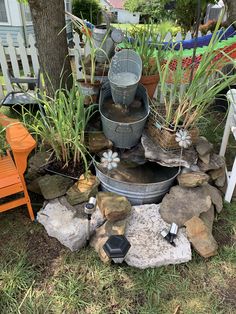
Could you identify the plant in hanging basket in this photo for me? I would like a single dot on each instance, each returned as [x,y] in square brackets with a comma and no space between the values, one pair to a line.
[184,106]
[60,127]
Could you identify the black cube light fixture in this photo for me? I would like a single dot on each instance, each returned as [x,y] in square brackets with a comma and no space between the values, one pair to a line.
[116,247]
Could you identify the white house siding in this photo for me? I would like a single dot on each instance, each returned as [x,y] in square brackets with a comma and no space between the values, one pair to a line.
[124,16]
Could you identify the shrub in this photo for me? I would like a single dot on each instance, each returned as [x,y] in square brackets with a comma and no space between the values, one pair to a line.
[87,9]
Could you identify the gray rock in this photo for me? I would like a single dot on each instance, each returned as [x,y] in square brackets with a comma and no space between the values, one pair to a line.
[216,162]
[67,224]
[201,237]
[98,142]
[154,152]
[54,186]
[192,179]
[203,146]
[181,204]
[148,248]
[215,195]
[218,176]
[205,158]
[208,217]
[35,163]
[33,186]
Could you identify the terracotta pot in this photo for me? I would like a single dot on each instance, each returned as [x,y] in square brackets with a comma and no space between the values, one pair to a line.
[90,91]
[150,83]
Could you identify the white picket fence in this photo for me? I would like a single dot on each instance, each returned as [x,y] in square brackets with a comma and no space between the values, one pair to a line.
[24,60]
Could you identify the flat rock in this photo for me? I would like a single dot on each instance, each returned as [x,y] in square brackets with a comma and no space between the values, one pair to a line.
[154,152]
[35,163]
[83,189]
[97,142]
[148,247]
[216,196]
[113,206]
[181,204]
[218,176]
[53,186]
[201,237]
[67,224]
[208,217]
[203,146]
[205,158]
[216,162]
[192,179]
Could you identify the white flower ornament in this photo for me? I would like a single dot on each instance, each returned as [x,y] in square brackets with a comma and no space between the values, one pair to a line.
[183,138]
[110,160]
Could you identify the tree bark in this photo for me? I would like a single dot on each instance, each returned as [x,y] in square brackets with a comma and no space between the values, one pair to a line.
[49,25]
[231,11]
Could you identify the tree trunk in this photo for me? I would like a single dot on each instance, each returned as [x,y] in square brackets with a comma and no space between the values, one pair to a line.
[231,11]
[49,25]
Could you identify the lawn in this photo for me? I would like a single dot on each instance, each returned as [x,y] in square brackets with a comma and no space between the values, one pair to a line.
[39,275]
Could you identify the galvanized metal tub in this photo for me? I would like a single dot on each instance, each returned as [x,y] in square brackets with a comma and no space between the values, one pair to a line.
[104,43]
[138,193]
[123,135]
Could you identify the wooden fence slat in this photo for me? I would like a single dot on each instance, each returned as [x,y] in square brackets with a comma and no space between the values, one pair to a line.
[13,56]
[168,37]
[77,54]
[23,55]
[178,37]
[34,54]
[188,36]
[4,67]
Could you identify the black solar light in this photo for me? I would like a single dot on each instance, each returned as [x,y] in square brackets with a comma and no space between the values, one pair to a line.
[117,247]
[169,236]
[89,209]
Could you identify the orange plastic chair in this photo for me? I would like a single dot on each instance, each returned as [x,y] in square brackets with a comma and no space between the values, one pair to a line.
[12,170]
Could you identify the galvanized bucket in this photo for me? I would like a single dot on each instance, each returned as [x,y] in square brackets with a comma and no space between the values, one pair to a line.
[104,43]
[123,135]
[124,74]
[138,193]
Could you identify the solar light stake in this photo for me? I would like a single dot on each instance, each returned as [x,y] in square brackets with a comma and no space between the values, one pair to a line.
[173,232]
[89,209]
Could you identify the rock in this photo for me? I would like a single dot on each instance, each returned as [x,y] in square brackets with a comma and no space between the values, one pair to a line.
[135,155]
[215,195]
[192,179]
[53,186]
[66,224]
[34,165]
[34,187]
[181,204]
[201,237]
[203,146]
[218,176]
[216,162]
[148,247]
[113,206]
[208,217]
[98,142]
[154,152]
[205,158]
[83,189]
[103,233]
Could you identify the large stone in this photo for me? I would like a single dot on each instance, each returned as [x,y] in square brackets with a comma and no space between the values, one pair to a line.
[208,217]
[154,152]
[148,247]
[83,189]
[218,176]
[181,204]
[203,146]
[97,142]
[67,224]
[103,233]
[53,186]
[205,158]
[216,162]
[33,186]
[201,237]
[192,179]
[113,206]
[35,164]
[215,195]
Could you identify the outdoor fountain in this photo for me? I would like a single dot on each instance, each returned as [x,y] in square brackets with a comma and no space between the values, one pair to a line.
[124,109]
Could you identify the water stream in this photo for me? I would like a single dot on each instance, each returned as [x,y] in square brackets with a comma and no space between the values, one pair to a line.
[124,79]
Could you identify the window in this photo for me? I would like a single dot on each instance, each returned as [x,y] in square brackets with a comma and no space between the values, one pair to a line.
[27,13]
[3,12]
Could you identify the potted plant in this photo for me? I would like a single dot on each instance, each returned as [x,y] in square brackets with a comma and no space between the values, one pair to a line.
[60,127]
[192,90]
[92,72]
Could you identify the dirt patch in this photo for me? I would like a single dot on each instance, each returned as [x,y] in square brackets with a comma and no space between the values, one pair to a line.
[43,253]
[228,295]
